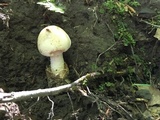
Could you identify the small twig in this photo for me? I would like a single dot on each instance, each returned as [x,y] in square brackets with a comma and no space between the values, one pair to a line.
[154,50]
[157,26]
[126,112]
[110,30]
[104,52]
[72,106]
[34,103]
[95,14]
[135,61]
[102,104]
[51,113]
[89,92]
[95,99]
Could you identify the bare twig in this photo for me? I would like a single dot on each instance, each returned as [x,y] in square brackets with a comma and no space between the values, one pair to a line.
[105,52]
[153,25]
[22,95]
[4,4]
[51,114]
[76,118]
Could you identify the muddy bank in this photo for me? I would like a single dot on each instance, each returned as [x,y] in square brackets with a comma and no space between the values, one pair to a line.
[93,48]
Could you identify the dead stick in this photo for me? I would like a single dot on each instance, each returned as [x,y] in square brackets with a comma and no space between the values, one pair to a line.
[23,95]
[3,4]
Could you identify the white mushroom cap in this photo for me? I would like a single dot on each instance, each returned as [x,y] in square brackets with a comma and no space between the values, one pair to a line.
[53,39]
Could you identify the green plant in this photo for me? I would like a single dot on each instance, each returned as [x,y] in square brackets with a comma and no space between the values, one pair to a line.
[143,66]
[118,7]
[134,3]
[113,7]
[124,34]
[105,85]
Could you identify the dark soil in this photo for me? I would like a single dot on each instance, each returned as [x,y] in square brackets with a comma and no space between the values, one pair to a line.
[22,67]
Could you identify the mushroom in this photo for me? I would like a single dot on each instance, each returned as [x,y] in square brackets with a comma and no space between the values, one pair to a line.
[52,42]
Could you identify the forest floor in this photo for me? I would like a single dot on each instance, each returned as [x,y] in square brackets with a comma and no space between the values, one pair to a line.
[117,40]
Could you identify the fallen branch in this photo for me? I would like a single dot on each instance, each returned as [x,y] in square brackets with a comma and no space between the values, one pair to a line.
[4,4]
[22,95]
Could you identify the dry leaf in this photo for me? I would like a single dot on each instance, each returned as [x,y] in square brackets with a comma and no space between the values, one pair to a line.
[157,34]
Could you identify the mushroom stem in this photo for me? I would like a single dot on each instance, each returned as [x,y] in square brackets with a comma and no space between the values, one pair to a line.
[57,63]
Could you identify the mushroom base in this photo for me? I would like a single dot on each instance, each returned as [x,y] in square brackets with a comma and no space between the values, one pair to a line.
[57,80]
